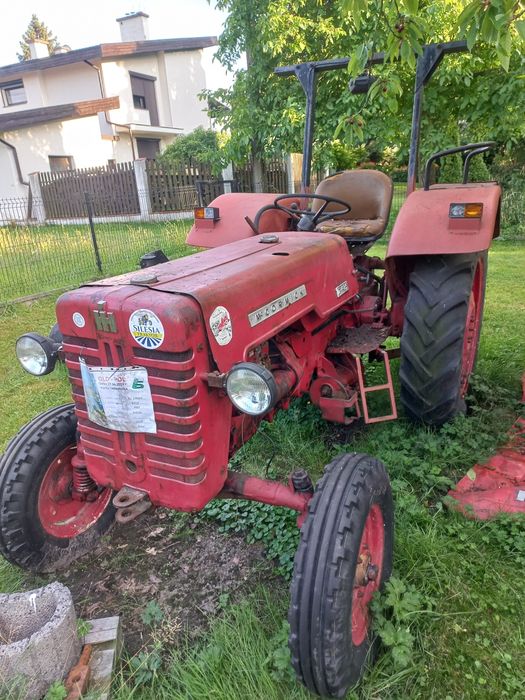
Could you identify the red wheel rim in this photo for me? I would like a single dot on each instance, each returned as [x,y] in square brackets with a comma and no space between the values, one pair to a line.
[60,514]
[472,329]
[368,573]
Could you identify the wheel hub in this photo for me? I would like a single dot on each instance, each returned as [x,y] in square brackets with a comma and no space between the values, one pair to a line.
[62,513]
[368,573]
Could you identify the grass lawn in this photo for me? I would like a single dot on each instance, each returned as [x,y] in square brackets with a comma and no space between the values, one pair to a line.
[456,607]
[43,258]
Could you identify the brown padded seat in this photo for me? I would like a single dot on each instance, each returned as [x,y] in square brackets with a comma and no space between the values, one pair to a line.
[368,192]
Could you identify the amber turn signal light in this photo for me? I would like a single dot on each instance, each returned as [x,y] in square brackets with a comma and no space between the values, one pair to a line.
[211,213]
[465,211]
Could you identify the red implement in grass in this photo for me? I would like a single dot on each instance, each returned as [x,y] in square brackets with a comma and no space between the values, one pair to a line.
[498,485]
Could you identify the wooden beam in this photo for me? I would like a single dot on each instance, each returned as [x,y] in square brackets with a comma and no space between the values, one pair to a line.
[73,110]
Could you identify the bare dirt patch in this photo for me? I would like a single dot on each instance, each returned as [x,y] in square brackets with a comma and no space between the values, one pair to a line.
[190,571]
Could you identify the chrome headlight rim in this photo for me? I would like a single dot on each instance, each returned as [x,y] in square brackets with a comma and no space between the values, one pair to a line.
[262,373]
[49,349]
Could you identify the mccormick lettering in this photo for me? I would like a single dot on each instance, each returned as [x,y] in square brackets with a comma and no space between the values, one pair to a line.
[273,307]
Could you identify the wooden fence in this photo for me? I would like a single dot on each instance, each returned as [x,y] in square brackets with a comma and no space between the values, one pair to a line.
[275,176]
[113,191]
[173,186]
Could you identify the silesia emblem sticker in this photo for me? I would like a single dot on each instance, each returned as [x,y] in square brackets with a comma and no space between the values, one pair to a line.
[146,328]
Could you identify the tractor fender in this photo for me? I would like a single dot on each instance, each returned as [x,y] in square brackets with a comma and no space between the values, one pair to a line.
[232,225]
[424,227]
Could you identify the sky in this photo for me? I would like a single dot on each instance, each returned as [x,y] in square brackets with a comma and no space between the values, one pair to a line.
[90,22]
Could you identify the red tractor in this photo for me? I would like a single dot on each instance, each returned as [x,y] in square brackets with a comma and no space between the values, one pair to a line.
[173,368]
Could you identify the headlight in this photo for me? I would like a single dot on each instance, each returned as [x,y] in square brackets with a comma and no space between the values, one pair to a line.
[36,353]
[252,389]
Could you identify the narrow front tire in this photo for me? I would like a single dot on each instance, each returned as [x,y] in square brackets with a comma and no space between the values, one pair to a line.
[344,556]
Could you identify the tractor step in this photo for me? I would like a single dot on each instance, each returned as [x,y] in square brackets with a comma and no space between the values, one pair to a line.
[359,340]
[364,390]
[498,485]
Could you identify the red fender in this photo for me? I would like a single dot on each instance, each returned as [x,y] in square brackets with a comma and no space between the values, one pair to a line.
[423,225]
[232,224]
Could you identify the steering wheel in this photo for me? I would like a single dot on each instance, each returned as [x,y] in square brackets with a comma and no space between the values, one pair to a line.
[307,219]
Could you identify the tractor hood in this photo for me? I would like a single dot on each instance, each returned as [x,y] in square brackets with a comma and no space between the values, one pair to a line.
[249,290]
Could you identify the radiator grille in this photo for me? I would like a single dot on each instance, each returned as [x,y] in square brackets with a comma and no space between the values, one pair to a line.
[176,451]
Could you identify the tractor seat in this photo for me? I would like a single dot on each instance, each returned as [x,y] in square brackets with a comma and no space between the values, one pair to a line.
[368,192]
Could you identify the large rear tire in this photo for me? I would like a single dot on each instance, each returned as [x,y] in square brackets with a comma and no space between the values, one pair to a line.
[42,527]
[439,344]
[344,556]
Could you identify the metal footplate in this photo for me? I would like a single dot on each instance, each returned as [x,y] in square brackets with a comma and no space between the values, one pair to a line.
[364,390]
[361,339]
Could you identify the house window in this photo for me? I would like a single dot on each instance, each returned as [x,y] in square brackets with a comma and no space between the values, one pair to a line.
[139,102]
[58,163]
[13,93]
[143,91]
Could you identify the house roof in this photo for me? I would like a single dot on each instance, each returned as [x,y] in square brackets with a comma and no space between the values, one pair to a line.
[105,52]
[73,110]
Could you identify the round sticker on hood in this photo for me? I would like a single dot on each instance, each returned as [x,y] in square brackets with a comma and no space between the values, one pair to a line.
[146,328]
[221,325]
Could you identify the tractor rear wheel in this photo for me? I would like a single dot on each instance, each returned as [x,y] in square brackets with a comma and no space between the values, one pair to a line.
[42,526]
[439,344]
[344,556]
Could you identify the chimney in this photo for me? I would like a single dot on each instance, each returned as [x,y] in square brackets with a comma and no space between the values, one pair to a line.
[38,49]
[134,26]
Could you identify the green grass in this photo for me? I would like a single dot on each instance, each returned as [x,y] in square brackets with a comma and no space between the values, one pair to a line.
[44,258]
[468,628]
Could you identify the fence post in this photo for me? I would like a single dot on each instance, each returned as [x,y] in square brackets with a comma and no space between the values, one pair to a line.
[141,178]
[227,174]
[39,211]
[89,206]
[295,161]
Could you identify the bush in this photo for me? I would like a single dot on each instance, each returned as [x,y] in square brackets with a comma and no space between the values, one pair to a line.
[199,146]
[478,171]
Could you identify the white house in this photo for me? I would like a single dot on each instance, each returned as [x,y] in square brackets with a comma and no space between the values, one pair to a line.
[98,105]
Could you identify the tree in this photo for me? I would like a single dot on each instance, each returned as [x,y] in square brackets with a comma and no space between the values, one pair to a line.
[36,30]
[264,112]
[494,22]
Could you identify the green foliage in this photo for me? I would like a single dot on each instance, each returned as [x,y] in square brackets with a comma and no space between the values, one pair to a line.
[145,665]
[83,627]
[265,113]
[152,614]
[395,611]
[275,528]
[279,659]
[497,23]
[451,168]
[199,146]
[344,157]
[478,171]
[36,30]
[56,691]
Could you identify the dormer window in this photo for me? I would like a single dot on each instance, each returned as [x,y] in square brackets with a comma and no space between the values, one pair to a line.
[13,93]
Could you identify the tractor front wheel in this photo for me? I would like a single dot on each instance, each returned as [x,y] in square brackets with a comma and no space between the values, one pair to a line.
[440,337]
[44,525]
[344,556]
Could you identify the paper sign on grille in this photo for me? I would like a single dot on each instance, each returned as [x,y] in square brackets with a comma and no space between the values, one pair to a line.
[119,398]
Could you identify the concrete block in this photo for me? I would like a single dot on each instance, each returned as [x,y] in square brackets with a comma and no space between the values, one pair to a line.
[39,642]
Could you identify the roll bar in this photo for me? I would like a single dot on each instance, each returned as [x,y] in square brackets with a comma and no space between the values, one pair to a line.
[306,73]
